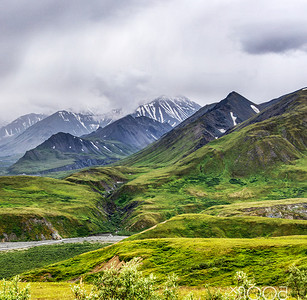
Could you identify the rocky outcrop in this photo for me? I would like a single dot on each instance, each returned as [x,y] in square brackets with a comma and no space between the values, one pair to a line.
[297,211]
[34,228]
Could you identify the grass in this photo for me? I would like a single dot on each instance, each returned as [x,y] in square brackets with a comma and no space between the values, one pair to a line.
[18,261]
[162,194]
[205,226]
[31,206]
[196,261]
[62,290]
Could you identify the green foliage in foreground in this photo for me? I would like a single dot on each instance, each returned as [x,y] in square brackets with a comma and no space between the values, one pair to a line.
[195,261]
[297,281]
[10,290]
[205,226]
[19,261]
[126,282]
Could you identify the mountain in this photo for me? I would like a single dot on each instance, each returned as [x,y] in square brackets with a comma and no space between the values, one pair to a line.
[168,110]
[18,126]
[134,131]
[64,151]
[61,121]
[263,158]
[207,124]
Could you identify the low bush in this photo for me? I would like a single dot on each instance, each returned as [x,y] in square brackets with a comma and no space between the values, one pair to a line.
[10,290]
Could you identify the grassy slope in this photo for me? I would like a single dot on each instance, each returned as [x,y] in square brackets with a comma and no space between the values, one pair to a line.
[166,192]
[186,188]
[196,261]
[205,226]
[18,261]
[28,202]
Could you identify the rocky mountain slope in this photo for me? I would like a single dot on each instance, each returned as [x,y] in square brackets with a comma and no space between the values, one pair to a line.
[134,131]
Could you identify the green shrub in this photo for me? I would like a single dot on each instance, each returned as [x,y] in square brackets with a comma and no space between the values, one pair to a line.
[297,281]
[126,282]
[10,290]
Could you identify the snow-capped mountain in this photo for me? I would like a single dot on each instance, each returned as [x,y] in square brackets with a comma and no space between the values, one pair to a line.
[18,126]
[168,110]
[61,121]
[163,109]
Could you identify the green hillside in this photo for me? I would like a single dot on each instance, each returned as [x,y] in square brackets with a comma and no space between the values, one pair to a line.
[15,262]
[205,226]
[262,161]
[196,261]
[38,208]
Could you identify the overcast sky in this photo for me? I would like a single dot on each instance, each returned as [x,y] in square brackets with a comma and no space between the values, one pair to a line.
[104,54]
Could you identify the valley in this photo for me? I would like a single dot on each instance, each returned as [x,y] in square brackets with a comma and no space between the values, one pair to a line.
[225,190]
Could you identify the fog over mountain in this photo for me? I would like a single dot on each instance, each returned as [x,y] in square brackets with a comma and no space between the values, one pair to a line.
[104,54]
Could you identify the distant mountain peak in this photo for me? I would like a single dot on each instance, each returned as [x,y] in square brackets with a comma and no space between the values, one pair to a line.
[18,126]
[171,110]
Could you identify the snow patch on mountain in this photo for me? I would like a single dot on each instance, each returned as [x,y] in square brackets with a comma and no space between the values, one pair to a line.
[233,118]
[256,110]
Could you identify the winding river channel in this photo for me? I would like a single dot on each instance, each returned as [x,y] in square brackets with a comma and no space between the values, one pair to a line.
[107,238]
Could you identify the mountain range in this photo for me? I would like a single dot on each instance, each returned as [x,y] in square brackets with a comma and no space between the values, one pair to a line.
[24,134]
[64,151]
[224,188]
[209,123]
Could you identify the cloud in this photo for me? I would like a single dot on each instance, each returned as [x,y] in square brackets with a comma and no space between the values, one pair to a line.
[272,38]
[105,54]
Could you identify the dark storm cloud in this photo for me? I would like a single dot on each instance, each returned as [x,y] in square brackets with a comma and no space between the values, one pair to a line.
[270,38]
